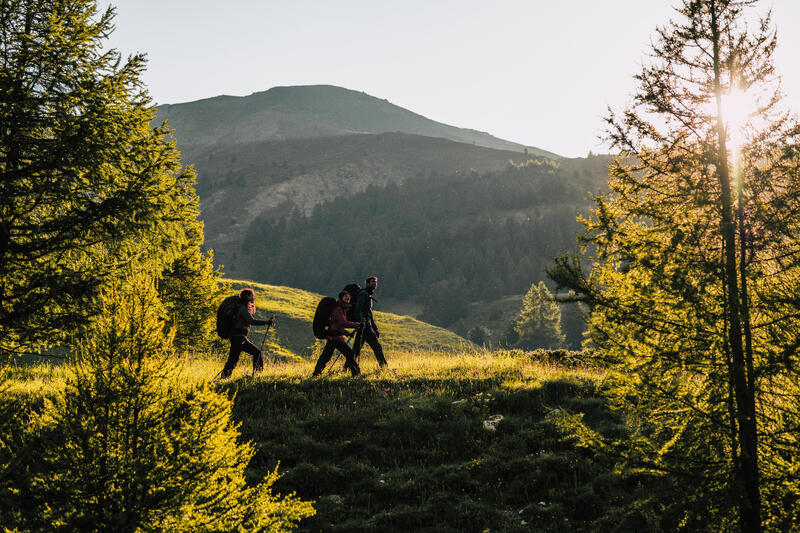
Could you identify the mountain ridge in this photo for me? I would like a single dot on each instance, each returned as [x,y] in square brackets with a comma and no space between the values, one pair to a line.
[296,112]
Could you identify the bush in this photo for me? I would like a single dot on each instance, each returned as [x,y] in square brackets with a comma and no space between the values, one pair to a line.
[128,446]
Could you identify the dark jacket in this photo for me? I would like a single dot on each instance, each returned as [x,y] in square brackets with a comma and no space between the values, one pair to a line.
[244,320]
[339,323]
[362,310]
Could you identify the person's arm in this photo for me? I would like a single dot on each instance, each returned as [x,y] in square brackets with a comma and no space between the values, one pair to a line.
[339,320]
[249,319]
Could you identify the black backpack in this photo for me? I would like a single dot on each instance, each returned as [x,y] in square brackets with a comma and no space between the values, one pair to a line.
[353,289]
[322,317]
[226,316]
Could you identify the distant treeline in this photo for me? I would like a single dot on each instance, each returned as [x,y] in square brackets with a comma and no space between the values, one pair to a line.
[444,240]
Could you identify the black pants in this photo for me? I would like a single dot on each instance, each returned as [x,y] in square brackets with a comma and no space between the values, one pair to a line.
[327,352]
[239,344]
[366,334]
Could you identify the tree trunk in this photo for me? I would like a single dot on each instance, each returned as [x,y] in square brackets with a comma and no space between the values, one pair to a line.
[750,499]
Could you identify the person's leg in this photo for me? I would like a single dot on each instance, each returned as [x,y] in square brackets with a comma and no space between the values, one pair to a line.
[324,357]
[233,355]
[350,361]
[359,342]
[258,357]
[377,349]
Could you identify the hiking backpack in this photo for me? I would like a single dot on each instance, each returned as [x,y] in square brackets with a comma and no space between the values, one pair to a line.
[226,316]
[353,289]
[322,317]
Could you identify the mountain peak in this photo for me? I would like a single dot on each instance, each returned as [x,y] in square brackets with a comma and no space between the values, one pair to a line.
[308,111]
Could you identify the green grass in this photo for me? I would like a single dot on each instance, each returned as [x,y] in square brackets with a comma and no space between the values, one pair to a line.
[408,449]
[291,338]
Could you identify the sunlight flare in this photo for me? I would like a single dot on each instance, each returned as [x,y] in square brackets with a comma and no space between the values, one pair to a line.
[737,109]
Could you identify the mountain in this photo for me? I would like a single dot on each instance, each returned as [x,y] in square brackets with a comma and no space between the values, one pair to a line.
[316,187]
[452,243]
[285,113]
[239,183]
[290,149]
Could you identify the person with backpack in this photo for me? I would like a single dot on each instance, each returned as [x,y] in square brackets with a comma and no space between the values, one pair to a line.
[335,337]
[243,318]
[368,330]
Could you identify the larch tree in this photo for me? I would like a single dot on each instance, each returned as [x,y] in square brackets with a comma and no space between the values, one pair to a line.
[695,284]
[131,444]
[87,186]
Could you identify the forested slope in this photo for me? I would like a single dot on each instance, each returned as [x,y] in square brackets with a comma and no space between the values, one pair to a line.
[443,240]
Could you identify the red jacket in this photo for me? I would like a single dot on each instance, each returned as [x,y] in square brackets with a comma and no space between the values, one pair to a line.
[338,324]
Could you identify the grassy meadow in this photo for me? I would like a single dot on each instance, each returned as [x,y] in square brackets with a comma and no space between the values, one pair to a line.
[293,309]
[442,441]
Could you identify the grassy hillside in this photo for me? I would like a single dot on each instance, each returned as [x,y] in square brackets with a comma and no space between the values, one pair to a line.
[467,442]
[441,443]
[293,309]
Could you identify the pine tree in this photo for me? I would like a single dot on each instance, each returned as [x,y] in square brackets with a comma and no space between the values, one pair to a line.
[693,292]
[87,186]
[191,289]
[539,322]
[128,445]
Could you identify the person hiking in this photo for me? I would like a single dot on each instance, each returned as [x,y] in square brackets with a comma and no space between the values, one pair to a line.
[335,339]
[244,318]
[368,330]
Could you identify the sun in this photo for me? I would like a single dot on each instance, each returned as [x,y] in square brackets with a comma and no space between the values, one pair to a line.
[738,107]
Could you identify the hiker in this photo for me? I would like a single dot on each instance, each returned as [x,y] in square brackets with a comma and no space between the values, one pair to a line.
[335,338]
[368,330]
[244,318]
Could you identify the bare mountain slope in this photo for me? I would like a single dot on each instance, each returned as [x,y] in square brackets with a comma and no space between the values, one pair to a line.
[241,182]
[298,112]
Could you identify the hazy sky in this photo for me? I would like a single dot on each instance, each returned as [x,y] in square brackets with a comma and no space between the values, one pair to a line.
[536,72]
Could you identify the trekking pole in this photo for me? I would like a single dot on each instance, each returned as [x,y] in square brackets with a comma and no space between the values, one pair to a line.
[266,331]
[264,338]
[333,364]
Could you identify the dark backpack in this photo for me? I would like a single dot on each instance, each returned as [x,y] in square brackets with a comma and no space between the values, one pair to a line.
[353,289]
[322,317]
[226,316]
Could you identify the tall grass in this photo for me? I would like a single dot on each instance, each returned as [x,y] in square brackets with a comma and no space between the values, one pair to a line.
[439,442]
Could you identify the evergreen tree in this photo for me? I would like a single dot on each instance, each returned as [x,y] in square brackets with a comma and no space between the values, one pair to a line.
[86,184]
[697,268]
[191,290]
[128,445]
[539,322]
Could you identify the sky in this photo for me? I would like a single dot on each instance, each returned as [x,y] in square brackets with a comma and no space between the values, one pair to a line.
[536,72]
